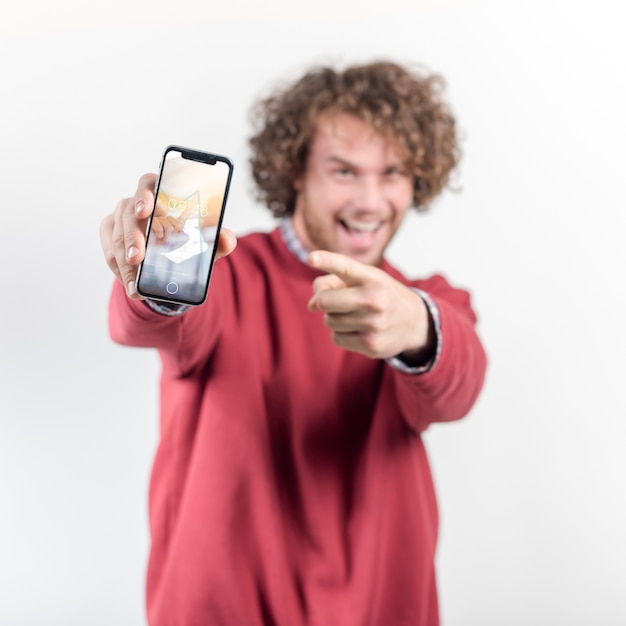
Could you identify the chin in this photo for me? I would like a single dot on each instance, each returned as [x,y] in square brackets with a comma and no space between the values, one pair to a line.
[367,258]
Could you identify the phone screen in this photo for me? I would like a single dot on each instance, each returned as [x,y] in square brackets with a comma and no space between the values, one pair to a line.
[190,198]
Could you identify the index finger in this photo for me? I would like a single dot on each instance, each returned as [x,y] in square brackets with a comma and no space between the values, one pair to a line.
[351,272]
[144,196]
[134,217]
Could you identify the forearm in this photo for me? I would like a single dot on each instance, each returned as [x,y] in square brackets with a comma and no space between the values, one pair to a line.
[133,323]
[184,341]
[449,389]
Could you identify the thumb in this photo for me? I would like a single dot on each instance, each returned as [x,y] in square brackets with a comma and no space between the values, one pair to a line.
[227,242]
[327,281]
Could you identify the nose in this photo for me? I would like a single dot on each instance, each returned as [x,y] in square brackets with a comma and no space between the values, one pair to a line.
[369,193]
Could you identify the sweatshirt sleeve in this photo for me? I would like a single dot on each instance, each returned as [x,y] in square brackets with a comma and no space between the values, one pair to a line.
[184,341]
[448,391]
[132,323]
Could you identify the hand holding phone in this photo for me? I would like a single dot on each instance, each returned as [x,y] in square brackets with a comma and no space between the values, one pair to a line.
[123,234]
[183,230]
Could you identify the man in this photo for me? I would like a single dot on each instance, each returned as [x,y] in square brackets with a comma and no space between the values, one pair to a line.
[291,486]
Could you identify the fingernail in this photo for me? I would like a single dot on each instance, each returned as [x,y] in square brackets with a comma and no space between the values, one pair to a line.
[131,288]
[314,259]
[132,251]
[139,207]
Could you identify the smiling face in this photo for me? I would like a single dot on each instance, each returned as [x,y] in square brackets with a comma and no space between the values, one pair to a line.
[354,191]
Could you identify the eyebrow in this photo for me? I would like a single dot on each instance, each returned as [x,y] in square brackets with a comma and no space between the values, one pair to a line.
[340,161]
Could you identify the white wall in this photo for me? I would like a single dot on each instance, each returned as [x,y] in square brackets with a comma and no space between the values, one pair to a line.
[531,485]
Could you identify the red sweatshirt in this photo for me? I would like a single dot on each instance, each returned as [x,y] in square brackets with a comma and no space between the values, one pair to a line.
[291,486]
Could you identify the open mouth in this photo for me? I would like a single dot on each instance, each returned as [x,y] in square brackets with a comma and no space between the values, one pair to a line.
[360,227]
[361,236]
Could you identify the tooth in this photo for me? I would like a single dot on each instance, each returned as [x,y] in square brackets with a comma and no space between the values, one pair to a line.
[363,227]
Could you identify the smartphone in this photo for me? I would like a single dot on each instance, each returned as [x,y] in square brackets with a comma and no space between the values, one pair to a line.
[183,230]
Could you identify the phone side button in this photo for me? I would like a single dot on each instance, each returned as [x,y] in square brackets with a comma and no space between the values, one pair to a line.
[172,288]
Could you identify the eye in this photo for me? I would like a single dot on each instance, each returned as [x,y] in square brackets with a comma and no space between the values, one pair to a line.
[342,172]
[395,170]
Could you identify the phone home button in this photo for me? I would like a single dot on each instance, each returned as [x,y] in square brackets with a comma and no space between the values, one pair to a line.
[172,288]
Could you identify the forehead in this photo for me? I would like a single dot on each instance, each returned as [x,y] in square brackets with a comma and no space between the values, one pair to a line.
[342,134]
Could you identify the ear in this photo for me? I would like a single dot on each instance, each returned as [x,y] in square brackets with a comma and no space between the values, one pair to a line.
[297,183]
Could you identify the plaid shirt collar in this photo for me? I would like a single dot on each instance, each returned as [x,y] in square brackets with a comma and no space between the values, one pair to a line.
[292,241]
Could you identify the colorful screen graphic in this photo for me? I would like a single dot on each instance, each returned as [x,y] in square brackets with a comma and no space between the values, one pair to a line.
[183,229]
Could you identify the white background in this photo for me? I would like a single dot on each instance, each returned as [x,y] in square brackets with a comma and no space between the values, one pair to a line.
[531,485]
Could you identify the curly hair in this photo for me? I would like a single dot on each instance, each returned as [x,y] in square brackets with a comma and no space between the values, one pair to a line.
[395,101]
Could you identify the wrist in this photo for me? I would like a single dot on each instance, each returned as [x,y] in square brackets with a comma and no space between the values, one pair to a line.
[423,356]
